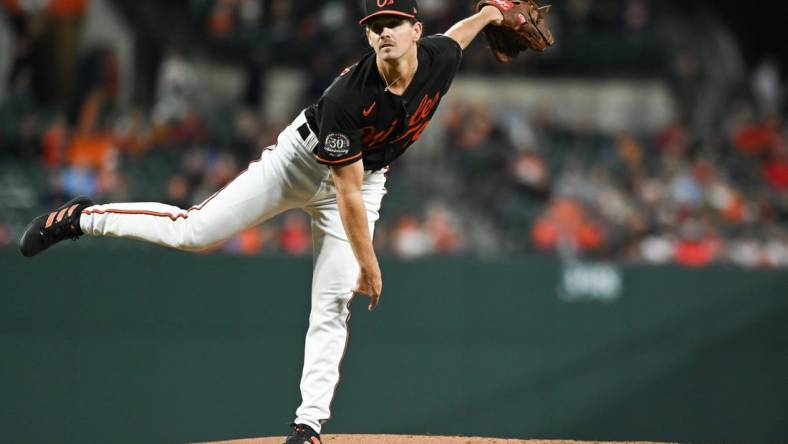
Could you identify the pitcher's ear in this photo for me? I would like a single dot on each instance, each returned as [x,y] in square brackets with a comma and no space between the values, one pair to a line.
[366,34]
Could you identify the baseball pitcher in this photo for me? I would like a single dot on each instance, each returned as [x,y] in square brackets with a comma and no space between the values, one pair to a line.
[331,162]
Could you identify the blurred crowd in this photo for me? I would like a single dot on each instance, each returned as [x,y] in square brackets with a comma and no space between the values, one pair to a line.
[655,198]
[325,35]
[497,181]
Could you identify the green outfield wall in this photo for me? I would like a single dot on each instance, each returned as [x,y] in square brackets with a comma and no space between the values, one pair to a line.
[151,346]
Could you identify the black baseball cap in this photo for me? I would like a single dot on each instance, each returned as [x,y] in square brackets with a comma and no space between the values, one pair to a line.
[402,8]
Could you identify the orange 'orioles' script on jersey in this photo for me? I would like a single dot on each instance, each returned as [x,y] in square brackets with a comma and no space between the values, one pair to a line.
[419,121]
[372,138]
[378,124]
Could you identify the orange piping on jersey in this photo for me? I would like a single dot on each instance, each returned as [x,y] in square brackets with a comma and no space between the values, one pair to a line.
[334,162]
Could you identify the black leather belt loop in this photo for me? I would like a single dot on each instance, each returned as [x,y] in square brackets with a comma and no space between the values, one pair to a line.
[304,132]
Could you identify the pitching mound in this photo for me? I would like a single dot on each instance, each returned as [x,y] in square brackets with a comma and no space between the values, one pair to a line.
[404,439]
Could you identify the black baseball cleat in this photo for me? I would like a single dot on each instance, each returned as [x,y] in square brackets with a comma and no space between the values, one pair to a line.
[51,228]
[303,434]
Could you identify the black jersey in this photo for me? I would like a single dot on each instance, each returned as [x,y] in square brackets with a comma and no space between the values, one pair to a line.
[356,118]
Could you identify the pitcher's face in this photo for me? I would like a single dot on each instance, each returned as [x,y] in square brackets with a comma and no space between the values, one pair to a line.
[391,37]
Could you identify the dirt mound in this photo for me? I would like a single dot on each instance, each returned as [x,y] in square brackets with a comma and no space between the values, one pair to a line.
[405,439]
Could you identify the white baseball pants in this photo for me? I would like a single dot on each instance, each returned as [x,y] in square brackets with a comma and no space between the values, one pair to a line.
[286,176]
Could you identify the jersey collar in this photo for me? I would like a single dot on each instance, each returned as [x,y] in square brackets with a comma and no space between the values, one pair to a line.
[418,77]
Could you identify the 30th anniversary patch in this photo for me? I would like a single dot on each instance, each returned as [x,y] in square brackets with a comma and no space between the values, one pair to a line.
[337,145]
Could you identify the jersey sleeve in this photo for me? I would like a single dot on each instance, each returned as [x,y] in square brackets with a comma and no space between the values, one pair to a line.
[446,54]
[339,143]
[444,49]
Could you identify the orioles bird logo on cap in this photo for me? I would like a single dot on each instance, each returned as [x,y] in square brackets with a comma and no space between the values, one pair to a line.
[374,8]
